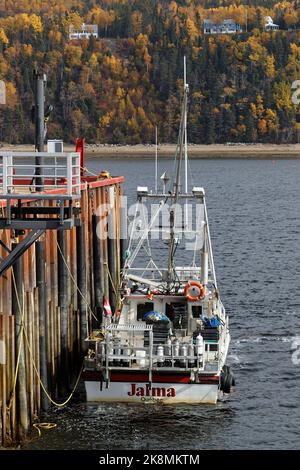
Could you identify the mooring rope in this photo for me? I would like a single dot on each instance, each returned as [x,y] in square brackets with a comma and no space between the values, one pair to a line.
[22,313]
[59,405]
[39,426]
[84,168]
[24,332]
[75,283]
[110,278]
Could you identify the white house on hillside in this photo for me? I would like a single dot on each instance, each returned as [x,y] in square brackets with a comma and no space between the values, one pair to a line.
[270,26]
[87,30]
[226,27]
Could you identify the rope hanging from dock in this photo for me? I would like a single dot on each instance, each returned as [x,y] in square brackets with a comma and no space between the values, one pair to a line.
[57,288]
[75,283]
[85,170]
[59,405]
[44,426]
[24,333]
[110,279]
[22,313]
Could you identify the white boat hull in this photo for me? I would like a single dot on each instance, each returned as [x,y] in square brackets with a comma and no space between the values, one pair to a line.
[169,393]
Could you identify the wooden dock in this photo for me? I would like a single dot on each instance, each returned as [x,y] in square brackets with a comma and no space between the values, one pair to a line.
[50,296]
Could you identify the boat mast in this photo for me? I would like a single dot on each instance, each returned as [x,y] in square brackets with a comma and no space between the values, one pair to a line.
[155,159]
[186,88]
[177,184]
[185,132]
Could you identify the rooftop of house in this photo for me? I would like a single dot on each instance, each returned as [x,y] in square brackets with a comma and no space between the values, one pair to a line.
[269,21]
[92,28]
[224,22]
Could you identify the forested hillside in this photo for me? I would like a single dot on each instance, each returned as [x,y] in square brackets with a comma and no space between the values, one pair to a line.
[115,89]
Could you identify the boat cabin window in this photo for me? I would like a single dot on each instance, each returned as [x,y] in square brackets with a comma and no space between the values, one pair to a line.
[141,309]
[177,312]
[197,311]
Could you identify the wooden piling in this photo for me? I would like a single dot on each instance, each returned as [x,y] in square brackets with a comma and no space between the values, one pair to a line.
[97,269]
[43,323]
[81,283]
[111,250]
[63,304]
[104,239]
[17,308]
[55,313]
[3,385]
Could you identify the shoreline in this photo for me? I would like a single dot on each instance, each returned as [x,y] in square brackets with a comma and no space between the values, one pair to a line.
[214,151]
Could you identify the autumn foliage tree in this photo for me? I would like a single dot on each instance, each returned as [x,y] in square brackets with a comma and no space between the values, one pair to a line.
[118,87]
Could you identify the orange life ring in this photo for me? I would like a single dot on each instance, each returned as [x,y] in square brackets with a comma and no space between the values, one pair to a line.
[194,290]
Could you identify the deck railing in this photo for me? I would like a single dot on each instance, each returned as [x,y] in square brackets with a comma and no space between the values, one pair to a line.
[110,355]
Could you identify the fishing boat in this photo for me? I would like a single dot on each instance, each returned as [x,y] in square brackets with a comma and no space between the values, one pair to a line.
[168,341]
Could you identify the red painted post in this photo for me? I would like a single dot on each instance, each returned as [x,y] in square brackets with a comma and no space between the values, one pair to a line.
[80,149]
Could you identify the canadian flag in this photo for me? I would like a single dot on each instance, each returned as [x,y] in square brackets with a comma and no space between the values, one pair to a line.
[106,306]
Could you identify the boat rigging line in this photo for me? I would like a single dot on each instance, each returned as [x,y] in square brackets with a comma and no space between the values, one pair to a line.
[178,157]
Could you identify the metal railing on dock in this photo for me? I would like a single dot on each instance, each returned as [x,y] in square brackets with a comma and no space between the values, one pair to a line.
[39,177]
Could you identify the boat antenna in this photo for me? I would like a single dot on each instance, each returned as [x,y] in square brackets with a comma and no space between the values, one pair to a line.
[186,87]
[156,159]
[179,157]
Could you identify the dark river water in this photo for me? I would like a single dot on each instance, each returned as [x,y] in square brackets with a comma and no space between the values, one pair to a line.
[253,207]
